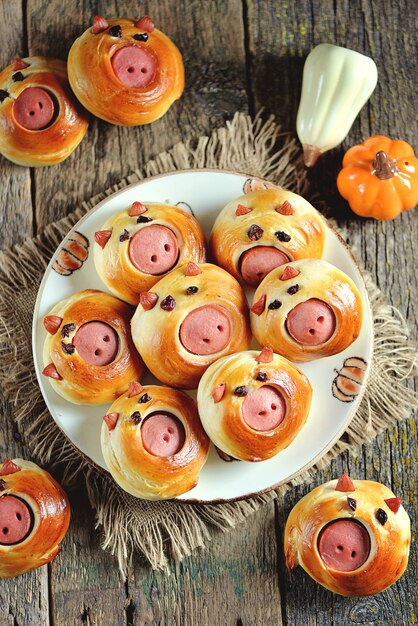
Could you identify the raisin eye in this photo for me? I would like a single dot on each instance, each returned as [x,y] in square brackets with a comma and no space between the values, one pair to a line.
[381,516]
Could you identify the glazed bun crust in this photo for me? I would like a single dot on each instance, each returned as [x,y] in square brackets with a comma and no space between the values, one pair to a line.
[305,227]
[317,279]
[137,471]
[156,332]
[51,516]
[390,542]
[54,143]
[114,264]
[82,382]
[223,420]
[96,85]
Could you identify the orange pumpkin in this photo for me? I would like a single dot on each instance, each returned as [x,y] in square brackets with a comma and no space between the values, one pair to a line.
[379,178]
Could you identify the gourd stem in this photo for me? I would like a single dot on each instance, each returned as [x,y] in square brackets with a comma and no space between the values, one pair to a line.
[310,155]
[383,166]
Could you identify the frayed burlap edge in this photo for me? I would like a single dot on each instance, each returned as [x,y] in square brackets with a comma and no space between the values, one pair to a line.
[163,529]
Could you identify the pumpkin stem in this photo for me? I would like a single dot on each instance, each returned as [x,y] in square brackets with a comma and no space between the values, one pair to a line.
[383,166]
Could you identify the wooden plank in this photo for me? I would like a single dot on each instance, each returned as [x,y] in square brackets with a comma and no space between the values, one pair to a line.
[395,605]
[15,181]
[23,600]
[279,37]
[234,582]
[86,585]
[84,581]
[211,40]
[221,584]
[384,249]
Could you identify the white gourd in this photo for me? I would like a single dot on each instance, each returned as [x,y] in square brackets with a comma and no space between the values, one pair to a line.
[337,82]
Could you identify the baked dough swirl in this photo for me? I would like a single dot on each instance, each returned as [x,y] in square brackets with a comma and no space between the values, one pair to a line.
[41,122]
[352,537]
[161,471]
[263,229]
[191,318]
[252,410]
[306,310]
[143,247]
[92,62]
[34,517]
[88,355]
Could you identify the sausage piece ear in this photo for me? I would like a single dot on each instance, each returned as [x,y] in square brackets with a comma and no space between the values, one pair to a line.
[52,323]
[345,484]
[9,467]
[99,24]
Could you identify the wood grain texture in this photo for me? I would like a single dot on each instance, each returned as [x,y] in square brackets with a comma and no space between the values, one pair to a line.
[86,586]
[212,41]
[232,582]
[24,599]
[238,56]
[210,37]
[15,181]
[277,57]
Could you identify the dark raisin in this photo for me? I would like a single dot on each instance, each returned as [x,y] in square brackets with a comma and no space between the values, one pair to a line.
[69,348]
[281,236]
[144,398]
[18,77]
[381,516]
[241,391]
[191,290]
[3,95]
[136,417]
[262,377]
[115,31]
[125,235]
[276,304]
[293,289]
[255,232]
[168,303]
[142,219]
[141,37]
[67,329]
[352,503]
[2,484]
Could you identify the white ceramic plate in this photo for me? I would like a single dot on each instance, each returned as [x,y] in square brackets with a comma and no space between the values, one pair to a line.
[205,192]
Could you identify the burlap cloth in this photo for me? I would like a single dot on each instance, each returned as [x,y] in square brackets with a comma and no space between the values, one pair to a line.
[160,530]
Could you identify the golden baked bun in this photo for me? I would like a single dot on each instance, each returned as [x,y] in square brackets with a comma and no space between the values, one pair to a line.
[306,310]
[88,354]
[153,442]
[41,122]
[125,71]
[139,245]
[253,404]
[261,230]
[192,316]
[351,536]
[34,517]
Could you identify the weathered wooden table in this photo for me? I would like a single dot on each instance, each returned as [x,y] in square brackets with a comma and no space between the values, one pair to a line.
[239,55]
